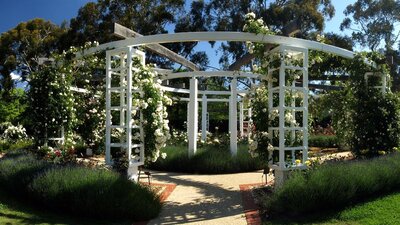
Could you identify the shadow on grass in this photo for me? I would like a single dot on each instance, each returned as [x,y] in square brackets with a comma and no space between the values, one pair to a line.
[314,218]
[355,213]
[14,211]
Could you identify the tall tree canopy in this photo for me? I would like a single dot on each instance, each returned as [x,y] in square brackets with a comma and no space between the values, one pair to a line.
[95,21]
[373,22]
[373,25]
[308,15]
[228,15]
[23,46]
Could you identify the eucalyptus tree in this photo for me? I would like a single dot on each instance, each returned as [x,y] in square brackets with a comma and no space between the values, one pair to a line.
[24,47]
[373,24]
[95,20]
[287,17]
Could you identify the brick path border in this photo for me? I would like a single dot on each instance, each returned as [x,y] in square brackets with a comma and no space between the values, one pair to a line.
[251,210]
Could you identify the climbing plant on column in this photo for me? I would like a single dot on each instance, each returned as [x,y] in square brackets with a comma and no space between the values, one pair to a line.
[258,138]
[153,106]
[368,120]
[54,103]
[90,103]
[51,103]
[259,141]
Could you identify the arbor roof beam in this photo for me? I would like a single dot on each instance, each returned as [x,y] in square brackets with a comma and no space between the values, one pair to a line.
[325,87]
[125,32]
[221,36]
[289,30]
[210,74]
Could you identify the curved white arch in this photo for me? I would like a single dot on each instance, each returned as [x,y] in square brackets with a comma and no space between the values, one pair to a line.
[187,91]
[209,74]
[221,36]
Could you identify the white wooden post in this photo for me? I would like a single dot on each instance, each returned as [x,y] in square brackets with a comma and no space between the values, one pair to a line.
[384,83]
[108,106]
[305,106]
[281,113]
[233,117]
[123,59]
[204,118]
[283,167]
[193,118]
[249,124]
[241,119]
[134,174]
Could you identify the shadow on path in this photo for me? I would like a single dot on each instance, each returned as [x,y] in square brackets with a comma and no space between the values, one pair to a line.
[200,201]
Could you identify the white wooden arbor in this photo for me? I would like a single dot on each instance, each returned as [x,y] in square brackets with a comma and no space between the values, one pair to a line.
[193,99]
[119,72]
[285,45]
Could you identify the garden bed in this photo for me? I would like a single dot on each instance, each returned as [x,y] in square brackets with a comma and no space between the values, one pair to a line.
[332,186]
[76,190]
[207,160]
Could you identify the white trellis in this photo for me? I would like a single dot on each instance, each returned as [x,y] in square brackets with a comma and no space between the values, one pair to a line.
[192,113]
[383,77]
[60,139]
[294,61]
[119,117]
[119,61]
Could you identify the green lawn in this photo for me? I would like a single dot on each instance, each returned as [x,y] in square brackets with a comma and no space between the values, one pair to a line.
[384,210]
[13,212]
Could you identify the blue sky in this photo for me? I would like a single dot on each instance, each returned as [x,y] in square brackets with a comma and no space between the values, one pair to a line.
[14,12]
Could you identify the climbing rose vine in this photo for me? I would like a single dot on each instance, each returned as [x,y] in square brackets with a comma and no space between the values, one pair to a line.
[69,93]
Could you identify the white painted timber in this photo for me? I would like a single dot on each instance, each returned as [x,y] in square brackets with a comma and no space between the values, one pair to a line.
[210,74]
[233,117]
[204,117]
[187,91]
[125,32]
[221,36]
[208,99]
[241,115]
[108,106]
[193,118]
[286,163]
[122,60]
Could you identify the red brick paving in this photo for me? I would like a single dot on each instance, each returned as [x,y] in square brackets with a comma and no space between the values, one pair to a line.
[251,210]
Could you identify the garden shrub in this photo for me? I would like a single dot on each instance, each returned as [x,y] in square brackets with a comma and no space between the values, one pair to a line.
[207,160]
[6,146]
[14,133]
[18,169]
[364,118]
[324,141]
[13,106]
[76,190]
[334,185]
[95,193]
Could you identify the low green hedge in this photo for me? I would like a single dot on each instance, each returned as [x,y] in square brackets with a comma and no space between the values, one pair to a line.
[17,171]
[6,146]
[334,185]
[77,190]
[324,141]
[207,160]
